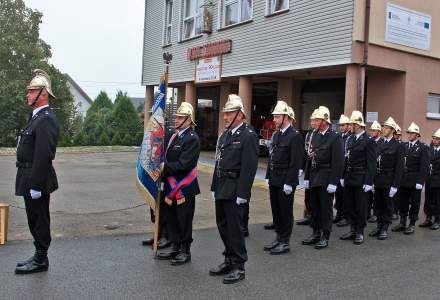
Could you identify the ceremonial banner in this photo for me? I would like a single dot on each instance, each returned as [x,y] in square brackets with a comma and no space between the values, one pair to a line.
[151,152]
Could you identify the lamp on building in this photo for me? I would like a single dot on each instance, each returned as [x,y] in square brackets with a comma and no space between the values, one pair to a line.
[207,14]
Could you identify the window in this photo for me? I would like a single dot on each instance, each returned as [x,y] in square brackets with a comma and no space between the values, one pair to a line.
[192,18]
[168,22]
[274,6]
[433,110]
[236,11]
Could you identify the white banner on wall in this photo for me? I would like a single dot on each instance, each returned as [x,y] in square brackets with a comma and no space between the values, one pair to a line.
[208,69]
[408,27]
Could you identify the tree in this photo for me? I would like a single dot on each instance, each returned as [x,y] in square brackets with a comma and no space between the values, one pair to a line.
[116,140]
[103,140]
[80,139]
[126,120]
[21,51]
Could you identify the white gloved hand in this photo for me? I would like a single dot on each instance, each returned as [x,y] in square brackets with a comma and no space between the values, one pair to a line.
[300,172]
[392,192]
[267,181]
[213,195]
[367,188]
[331,188]
[161,186]
[342,182]
[419,186]
[35,194]
[287,189]
[306,184]
[241,201]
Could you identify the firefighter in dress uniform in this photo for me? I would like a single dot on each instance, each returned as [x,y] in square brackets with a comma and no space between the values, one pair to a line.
[375,133]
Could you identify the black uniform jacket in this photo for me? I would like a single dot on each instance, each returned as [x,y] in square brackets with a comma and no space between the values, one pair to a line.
[236,164]
[389,164]
[327,159]
[434,169]
[360,160]
[35,152]
[287,154]
[416,164]
[182,156]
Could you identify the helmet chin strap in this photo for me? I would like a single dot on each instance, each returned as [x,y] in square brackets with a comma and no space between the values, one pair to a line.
[282,123]
[181,124]
[36,98]
[235,118]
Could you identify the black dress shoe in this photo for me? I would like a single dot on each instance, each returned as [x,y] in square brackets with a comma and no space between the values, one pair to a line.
[35,266]
[270,226]
[221,269]
[180,259]
[281,248]
[234,276]
[410,229]
[305,221]
[25,262]
[343,223]
[376,231]
[163,243]
[359,239]
[148,242]
[383,234]
[173,252]
[312,239]
[323,243]
[399,228]
[372,219]
[426,223]
[351,235]
[270,246]
[435,226]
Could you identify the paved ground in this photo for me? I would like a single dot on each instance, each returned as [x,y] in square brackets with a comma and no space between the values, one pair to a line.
[117,267]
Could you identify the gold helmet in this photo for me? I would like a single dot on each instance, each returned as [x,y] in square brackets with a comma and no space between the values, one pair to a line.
[436,134]
[357,118]
[344,120]
[324,114]
[413,128]
[281,108]
[40,81]
[291,114]
[234,103]
[313,116]
[375,126]
[186,110]
[391,123]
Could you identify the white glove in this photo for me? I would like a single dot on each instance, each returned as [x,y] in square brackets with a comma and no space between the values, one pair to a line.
[393,191]
[161,186]
[419,186]
[300,172]
[342,182]
[213,195]
[331,188]
[306,184]
[35,194]
[287,189]
[367,188]
[267,181]
[240,201]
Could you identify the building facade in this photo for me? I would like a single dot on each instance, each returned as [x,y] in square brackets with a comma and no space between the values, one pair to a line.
[81,100]
[381,57]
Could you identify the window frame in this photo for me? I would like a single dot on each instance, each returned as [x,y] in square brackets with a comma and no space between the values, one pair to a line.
[168,24]
[433,115]
[184,19]
[222,13]
[273,13]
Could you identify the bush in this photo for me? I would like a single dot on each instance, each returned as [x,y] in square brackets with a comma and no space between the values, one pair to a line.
[80,139]
[116,140]
[103,140]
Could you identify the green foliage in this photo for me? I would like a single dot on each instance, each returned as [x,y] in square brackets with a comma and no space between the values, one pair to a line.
[126,120]
[103,140]
[80,139]
[21,51]
[127,140]
[117,140]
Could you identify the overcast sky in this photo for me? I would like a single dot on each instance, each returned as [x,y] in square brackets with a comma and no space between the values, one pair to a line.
[97,42]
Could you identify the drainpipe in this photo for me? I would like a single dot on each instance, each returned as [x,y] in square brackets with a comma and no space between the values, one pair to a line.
[363,66]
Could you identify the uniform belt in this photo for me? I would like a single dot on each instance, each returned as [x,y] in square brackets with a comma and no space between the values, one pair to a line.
[21,164]
[378,171]
[227,174]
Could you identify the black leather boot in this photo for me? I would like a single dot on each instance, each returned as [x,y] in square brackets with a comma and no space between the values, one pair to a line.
[411,228]
[272,245]
[173,252]
[359,239]
[235,275]
[426,223]
[323,242]
[351,235]
[436,224]
[313,238]
[40,263]
[222,269]
[401,226]
[183,257]
[376,231]
[25,262]
[281,248]
[383,234]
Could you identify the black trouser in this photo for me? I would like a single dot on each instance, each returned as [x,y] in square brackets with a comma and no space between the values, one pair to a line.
[396,203]
[356,204]
[282,212]
[432,202]
[371,209]
[339,201]
[228,216]
[409,203]
[245,216]
[383,205]
[308,202]
[322,210]
[38,216]
[179,220]
[162,222]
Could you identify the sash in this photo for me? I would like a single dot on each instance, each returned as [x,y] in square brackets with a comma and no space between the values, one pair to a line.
[176,187]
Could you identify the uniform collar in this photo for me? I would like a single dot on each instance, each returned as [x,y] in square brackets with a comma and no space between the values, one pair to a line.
[180,132]
[35,111]
[358,135]
[236,128]
[285,128]
[325,131]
